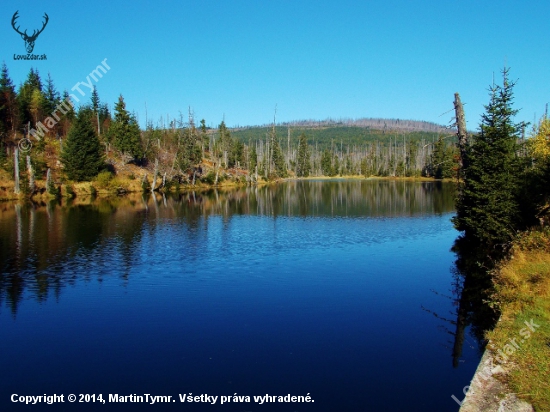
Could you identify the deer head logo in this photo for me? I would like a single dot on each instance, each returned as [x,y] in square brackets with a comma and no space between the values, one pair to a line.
[29,40]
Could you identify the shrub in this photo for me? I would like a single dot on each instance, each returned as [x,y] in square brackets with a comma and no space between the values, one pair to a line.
[103,179]
[210,178]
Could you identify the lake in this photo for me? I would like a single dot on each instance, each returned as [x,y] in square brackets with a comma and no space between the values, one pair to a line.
[343,291]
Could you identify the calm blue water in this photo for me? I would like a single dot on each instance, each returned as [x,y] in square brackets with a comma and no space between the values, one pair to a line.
[320,288]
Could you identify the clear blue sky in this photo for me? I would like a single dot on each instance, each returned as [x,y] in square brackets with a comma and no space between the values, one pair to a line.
[313,59]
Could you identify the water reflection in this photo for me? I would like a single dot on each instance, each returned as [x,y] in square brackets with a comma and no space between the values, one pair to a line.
[472,288]
[46,246]
[297,287]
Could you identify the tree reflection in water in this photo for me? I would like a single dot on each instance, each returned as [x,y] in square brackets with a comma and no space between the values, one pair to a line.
[47,246]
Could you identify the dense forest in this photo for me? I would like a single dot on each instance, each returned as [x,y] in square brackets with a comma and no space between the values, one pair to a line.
[58,142]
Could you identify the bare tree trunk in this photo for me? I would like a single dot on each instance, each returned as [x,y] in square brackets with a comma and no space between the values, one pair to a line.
[462,133]
[16,188]
[155,174]
[49,181]
[30,170]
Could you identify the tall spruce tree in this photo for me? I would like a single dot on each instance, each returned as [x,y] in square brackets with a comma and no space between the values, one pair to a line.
[8,103]
[237,153]
[25,96]
[190,154]
[442,160]
[124,132]
[82,155]
[95,100]
[204,136]
[52,98]
[277,155]
[487,206]
[225,143]
[303,162]
[326,163]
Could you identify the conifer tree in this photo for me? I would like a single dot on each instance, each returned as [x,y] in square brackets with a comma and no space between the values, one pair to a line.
[82,155]
[95,100]
[277,155]
[124,132]
[96,108]
[190,154]
[36,106]
[336,166]
[225,142]
[237,153]
[487,206]
[8,103]
[303,163]
[441,165]
[25,96]
[204,136]
[51,96]
[68,117]
[326,163]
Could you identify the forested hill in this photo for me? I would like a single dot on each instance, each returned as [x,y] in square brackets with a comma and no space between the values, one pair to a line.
[374,123]
[326,133]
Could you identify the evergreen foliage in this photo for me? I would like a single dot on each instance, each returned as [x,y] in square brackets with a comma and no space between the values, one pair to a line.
[124,132]
[442,161]
[191,153]
[51,96]
[326,163]
[303,163]
[204,136]
[237,154]
[225,141]
[95,100]
[277,156]
[25,97]
[8,104]
[325,136]
[82,155]
[487,206]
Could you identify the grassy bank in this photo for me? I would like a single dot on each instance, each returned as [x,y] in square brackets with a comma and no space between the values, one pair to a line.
[127,179]
[521,339]
[131,180]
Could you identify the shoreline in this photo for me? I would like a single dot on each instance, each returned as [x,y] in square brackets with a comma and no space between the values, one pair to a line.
[513,372]
[123,186]
[488,394]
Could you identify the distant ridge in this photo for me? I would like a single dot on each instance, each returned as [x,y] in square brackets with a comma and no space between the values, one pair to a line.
[374,123]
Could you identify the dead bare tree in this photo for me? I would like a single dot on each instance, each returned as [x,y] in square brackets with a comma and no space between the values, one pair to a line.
[155,174]
[16,188]
[30,171]
[461,133]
